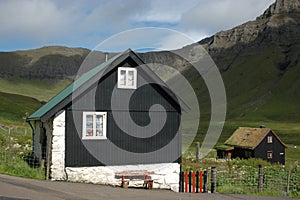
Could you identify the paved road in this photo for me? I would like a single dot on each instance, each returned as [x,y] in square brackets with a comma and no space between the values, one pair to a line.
[14,188]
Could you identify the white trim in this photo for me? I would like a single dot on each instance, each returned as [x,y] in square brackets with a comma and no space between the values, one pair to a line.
[84,128]
[126,79]
[269,154]
[270,139]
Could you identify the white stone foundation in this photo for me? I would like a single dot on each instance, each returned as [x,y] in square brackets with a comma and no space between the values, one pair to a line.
[164,176]
[58,148]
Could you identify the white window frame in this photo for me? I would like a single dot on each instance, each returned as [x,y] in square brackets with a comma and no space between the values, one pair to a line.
[126,85]
[94,136]
[269,154]
[270,139]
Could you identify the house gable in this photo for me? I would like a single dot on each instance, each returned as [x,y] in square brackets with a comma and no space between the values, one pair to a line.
[273,151]
[140,107]
[90,78]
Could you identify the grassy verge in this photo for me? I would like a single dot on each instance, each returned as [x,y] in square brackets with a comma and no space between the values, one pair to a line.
[22,169]
[15,153]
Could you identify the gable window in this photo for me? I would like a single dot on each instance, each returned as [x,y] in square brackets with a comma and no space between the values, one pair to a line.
[270,154]
[94,125]
[270,139]
[127,78]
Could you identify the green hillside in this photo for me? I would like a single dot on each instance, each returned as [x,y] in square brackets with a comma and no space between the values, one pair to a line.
[258,91]
[260,94]
[14,108]
[42,90]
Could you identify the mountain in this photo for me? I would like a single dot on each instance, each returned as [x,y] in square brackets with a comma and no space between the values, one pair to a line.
[54,62]
[277,26]
[258,60]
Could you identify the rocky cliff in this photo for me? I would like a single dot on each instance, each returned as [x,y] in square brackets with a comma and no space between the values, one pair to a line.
[279,25]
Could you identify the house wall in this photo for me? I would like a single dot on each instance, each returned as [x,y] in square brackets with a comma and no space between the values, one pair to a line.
[121,147]
[165,175]
[37,146]
[242,153]
[224,154]
[276,147]
[58,148]
[40,138]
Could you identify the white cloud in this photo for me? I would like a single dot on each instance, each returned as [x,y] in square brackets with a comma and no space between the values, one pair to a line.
[86,23]
[175,40]
[37,20]
[211,16]
[166,11]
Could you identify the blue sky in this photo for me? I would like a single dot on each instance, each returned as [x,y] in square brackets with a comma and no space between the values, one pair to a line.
[29,24]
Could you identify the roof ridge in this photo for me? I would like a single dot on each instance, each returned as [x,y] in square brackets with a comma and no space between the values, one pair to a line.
[70,88]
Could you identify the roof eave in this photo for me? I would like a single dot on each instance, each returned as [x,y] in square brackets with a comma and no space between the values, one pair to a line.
[28,119]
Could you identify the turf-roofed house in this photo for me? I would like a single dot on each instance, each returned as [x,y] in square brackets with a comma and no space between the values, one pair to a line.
[253,143]
[118,120]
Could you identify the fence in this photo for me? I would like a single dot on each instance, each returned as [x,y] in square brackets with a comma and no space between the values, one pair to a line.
[197,182]
[19,162]
[266,180]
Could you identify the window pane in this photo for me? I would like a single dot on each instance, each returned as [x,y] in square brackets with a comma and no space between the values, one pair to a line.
[99,125]
[89,125]
[122,77]
[270,139]
[130,78]
[270,154]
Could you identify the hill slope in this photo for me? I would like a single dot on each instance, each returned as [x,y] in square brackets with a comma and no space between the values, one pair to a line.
[44,63]
[259,62]
[260,66]
[14,108]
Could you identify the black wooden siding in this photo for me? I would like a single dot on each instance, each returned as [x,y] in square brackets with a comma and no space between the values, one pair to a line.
[276,147]
[142,99]
[242,153]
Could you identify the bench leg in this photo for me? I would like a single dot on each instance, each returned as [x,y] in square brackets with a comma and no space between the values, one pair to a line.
[148,184]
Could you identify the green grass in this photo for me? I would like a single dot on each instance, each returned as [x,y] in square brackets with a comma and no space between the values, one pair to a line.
[22,169]
[42,90]
[14,108]
[239,176]
[13,155]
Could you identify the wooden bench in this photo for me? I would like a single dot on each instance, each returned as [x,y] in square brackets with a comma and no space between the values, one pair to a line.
[136,174]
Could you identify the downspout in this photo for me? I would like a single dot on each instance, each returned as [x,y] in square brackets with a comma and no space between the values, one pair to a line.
[33,133]
[48,151]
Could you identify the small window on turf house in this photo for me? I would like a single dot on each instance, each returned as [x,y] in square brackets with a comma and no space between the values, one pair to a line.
[270,154]
[270,139]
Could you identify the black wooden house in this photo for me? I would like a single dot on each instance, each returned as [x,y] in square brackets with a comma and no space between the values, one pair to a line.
[253,143]
[118,113]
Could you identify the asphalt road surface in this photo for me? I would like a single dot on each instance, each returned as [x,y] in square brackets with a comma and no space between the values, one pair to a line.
[14,188]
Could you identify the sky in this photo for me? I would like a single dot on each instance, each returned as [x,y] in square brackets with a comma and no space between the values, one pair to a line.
[30,24]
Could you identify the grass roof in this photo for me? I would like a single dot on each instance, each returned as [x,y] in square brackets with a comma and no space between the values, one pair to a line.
[247,137]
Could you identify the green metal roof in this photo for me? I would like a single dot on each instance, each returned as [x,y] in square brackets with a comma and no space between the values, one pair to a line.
[69,89]
[45,111]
